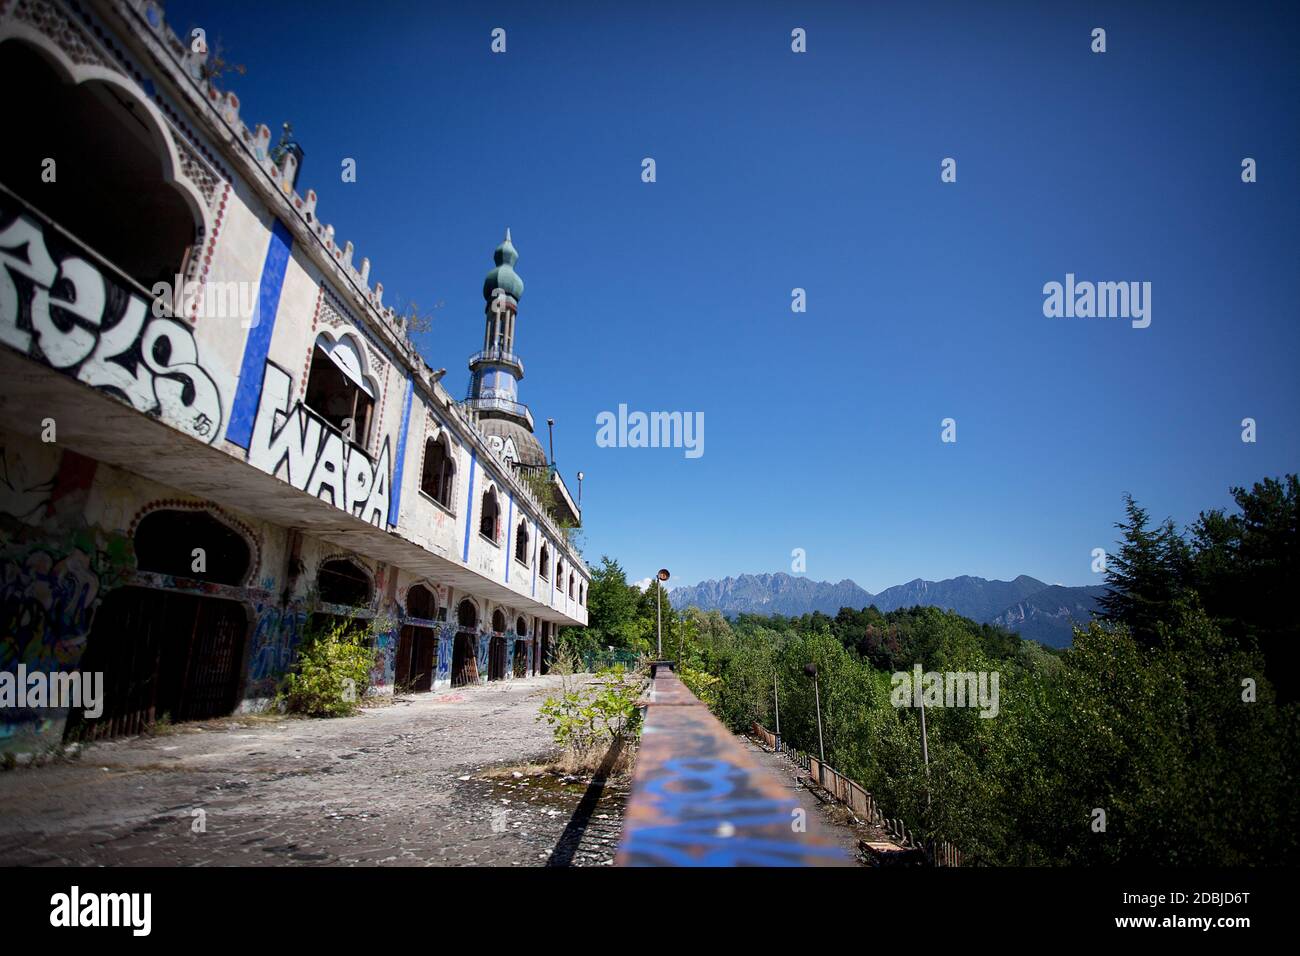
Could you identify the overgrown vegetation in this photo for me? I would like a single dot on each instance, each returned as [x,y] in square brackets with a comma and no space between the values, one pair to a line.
[332,671]
[586,718]
[1175,715]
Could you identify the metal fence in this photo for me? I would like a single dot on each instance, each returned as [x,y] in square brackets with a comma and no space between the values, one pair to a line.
[854,796]
[593,661]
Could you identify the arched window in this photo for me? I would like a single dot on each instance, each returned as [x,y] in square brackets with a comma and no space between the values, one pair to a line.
[467,615]
[490,520]
[498,621]
[112,191]
[582,595]
[559,575]
[191,544]
[343,582]
[571,585]
[420,602]
[521,542]
[338,389]
[439,471]
[521,627]
[544,562]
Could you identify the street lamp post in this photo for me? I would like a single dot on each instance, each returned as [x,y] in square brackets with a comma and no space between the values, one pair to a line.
[776,699]
[811,671]
[659,610]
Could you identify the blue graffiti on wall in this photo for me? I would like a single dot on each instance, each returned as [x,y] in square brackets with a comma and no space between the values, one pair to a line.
[446,645]
[275,639]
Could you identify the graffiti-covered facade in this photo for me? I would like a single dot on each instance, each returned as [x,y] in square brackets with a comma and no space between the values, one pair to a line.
[216,437]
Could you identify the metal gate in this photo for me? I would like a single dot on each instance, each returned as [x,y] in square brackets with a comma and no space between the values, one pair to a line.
[497,659]
[417,649]
[162,654]
[464,664]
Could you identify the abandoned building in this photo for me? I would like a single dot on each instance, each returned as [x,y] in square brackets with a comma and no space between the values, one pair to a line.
[216,438]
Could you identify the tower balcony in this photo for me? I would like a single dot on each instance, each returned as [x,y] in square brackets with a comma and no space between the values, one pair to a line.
[505,405]
[499,357]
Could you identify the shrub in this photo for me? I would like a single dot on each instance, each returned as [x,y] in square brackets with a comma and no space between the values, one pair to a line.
[586,718]
[332,672]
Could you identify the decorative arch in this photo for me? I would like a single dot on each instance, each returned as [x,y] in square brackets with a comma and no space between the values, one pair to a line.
[421,597]
[341,386]
[521,541]
[467,614]
[219,514]
[438,470]
[489,520]
[334,565]
[89,68]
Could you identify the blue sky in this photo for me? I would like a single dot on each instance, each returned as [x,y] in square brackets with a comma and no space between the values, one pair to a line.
[778,170]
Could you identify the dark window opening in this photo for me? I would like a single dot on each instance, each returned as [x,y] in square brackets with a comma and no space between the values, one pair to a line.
[337,399]
[421,602]
[439,471]
[544,562]
[490,520]
[467,614]
[498,622]
[343,582]
[571,585]
[521,627]
[110,158]
[521,542]
[166,542]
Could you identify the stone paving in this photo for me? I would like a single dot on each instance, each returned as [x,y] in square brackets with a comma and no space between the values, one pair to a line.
[425,781]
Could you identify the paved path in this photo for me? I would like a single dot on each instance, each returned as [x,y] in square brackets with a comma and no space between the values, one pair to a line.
[402,784]
[838,819]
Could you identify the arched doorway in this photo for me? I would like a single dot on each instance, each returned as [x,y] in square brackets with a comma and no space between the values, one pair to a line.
[497,648]
[112,187]
[544,666]
[521,648]
[166,654]
[417,645]
[464,659]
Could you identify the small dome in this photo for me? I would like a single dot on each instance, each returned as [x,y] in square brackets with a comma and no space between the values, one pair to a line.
[504,276]
[517,442]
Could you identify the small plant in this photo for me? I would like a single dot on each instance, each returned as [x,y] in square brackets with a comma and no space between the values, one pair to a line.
[585,719]
[332,672]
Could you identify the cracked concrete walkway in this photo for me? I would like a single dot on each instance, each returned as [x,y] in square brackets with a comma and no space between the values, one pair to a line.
[393,785]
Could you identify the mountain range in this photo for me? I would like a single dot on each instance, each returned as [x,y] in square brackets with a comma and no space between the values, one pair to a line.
[1035,610]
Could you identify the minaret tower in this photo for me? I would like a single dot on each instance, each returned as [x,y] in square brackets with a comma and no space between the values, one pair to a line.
[496,371]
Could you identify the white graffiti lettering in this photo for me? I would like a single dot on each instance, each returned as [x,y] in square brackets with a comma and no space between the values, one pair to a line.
[311,454]
[154,365]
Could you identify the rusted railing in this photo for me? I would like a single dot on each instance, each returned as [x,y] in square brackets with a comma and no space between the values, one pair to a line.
[700,799]
[854,796]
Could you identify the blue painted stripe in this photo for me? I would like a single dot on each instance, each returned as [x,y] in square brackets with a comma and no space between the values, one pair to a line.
[469,503]
[257,346]
[395,496]
[536,536]
[510,525]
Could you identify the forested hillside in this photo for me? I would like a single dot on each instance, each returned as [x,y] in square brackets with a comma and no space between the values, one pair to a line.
[1175,717]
